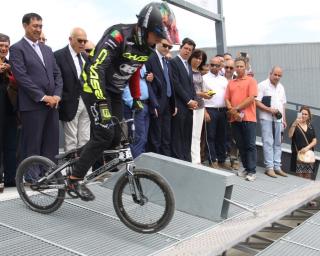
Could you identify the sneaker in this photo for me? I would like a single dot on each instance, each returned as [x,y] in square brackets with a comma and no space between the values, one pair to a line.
[251,177]
[281,173]
[270,172]
[243,173]
[81,190]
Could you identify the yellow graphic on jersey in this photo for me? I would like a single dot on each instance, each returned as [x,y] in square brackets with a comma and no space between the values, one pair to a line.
[94,77]
[135,57]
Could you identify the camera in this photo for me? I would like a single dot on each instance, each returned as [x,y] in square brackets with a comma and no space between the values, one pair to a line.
[244,54]
[278,115]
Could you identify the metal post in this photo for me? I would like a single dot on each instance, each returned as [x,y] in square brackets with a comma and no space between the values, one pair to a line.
[220,31]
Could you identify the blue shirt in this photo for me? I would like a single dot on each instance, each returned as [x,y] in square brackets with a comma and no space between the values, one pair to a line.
[126,96]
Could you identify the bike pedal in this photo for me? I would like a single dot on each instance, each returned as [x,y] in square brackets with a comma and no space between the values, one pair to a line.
[72,194]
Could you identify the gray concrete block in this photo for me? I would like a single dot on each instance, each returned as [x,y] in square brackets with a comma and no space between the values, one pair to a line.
[198,190]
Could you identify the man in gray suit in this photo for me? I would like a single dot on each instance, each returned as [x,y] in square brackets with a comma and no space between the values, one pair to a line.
[39,91]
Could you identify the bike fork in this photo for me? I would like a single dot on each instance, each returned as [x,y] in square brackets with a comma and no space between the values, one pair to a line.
[135,186]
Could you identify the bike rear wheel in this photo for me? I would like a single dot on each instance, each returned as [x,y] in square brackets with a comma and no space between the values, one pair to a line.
[46,197]
[149,211]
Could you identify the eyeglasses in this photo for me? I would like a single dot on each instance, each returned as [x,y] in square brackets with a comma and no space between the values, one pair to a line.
[167,46]
[227,67]
[214,65]
[42,39]
[88,50]
[82,41]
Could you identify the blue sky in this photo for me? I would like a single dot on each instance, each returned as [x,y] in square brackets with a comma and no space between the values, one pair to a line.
[247,21]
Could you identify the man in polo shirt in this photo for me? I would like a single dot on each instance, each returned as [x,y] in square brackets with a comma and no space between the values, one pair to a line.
[240,101]
[271,102]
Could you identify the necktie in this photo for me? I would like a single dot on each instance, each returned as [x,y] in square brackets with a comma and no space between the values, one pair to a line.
[186,66]
[80,61]
[166,76]
[38,51]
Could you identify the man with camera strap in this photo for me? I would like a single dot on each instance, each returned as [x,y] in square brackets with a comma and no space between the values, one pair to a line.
[271,102]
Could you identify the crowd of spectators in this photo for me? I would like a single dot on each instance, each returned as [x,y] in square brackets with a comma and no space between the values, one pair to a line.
[205,113]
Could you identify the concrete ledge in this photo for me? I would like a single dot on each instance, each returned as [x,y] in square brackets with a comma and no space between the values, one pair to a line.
[198,190]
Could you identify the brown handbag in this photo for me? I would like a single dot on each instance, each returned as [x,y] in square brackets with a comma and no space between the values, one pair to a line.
[307,157]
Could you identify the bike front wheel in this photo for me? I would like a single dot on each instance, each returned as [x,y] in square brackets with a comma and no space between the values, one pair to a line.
[45,197]
[144,202]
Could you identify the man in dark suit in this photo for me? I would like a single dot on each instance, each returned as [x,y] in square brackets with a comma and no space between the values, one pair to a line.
[72,111]
[185,93]
[160,123]
[39,91]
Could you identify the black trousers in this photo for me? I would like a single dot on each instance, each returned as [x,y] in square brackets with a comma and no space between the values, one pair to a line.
[101,138]
[160,132]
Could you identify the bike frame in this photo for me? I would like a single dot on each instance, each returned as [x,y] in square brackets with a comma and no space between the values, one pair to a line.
[120,158]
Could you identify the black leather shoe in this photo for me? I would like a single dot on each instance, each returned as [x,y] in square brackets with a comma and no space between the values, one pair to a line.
[82,191]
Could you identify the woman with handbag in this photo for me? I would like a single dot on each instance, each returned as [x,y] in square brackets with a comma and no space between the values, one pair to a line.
[304,140]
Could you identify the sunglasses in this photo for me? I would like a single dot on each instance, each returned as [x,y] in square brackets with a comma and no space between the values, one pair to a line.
[88,50]
[82,41]
[42,39]
[167,46]
[227,67]
[215,65]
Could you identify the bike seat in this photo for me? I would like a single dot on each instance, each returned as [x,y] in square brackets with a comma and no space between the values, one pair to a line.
[71,154]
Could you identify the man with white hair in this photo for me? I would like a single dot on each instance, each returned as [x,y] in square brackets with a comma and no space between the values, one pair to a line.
[72,111]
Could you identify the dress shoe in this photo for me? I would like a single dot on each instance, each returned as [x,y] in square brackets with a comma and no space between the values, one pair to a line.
[225,166]
[270,173]
[281,173]
[214,165]
[235,166]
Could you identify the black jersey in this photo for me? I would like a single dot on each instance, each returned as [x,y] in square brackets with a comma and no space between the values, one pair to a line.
[117,56]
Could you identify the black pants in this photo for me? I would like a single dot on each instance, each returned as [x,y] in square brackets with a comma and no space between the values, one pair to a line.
[101,138]
[160,132]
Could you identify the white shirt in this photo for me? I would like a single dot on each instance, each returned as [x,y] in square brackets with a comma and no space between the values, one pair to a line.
[185,63]
[76,60]
[278,98]
[218,84]
[160,56]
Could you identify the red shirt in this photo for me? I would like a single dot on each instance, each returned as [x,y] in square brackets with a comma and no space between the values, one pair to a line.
[238,90]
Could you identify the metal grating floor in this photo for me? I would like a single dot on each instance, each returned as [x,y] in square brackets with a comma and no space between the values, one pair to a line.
[85,228]
[302,240]
[92,228]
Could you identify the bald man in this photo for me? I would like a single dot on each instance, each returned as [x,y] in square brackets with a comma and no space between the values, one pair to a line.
[72,111]
[271,102]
